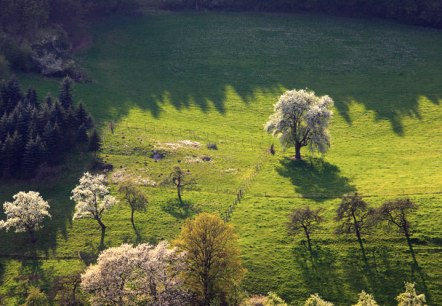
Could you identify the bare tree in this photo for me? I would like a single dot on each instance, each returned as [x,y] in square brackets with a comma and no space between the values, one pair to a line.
[353,215]
[178,179]
[305,220]
[396,213]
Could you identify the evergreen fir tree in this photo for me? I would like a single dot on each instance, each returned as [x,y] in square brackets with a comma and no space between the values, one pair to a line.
[65,93]
[33,156]
[83,116]
[31,96]
[82,136]
[48,100]
[13,94]
[48,138]
[94,142]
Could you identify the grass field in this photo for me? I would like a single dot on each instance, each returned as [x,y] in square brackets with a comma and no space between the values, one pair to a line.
[213,78]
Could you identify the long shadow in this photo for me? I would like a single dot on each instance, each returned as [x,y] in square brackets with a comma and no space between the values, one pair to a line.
[56,191]
[315,178]
[384,275]
[193,59]
[319,271]
[180,211]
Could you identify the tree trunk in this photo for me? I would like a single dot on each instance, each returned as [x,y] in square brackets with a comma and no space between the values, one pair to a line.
[132,218]
[309,243]
[358,234]
[298,151]
[32,235]
[179,194]
[103,230]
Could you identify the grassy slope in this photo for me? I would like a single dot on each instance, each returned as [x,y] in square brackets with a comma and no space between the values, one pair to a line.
[214,78]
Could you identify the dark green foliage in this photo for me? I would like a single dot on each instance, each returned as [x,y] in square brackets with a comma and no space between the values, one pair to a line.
[94,142]
[421,12]
[82,136]
[32,133]
[65,94]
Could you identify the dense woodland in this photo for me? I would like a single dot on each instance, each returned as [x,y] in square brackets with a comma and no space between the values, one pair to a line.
[33,134]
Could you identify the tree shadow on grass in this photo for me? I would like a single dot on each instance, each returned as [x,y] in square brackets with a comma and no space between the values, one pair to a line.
[195,60]
[319,271]
[384,273]
[180,211]
[315,178]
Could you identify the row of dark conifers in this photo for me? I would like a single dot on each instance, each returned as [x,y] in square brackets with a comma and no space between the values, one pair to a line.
[34,133]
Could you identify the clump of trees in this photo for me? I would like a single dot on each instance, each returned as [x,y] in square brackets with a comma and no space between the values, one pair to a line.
[35,34]
[355,216]
[301,119]
[26,213]
[34,133]
[141,275]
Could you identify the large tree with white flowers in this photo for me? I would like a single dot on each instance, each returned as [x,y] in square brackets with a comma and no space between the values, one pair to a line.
[301,118]
[26,213]
[141,275]
[92,199]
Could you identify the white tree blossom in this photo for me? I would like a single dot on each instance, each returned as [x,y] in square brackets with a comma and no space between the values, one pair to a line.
[315,300]
[141,275]
[108,280]
[301,118]
[26,213]
[410,297]
[92,199]
[366,299]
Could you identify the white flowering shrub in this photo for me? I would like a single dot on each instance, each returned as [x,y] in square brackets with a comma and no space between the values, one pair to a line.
[26,213]
[141,275]
[410,297]
[366,299]
[315,300]
[92,199]
[301,118]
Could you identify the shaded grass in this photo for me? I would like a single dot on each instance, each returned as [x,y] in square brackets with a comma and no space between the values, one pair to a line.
[213,77]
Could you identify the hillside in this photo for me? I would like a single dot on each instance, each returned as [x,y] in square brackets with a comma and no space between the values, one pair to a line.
[174,82]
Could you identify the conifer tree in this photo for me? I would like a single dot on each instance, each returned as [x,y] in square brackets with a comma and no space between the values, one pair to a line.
[83,117]
[31,96]
[94,142]
[12,94]
[65,93]
[82,136]
[48,100]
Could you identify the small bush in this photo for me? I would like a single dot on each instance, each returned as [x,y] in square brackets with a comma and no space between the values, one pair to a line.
[212,146]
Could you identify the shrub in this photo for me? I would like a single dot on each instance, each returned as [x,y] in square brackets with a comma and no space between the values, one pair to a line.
[212,146]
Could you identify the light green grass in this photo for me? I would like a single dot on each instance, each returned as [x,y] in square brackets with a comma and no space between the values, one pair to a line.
[213,77]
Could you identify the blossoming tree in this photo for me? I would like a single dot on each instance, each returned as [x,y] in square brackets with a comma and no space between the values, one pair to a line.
[141,275]
[92,199]
[26,213]
[301,118]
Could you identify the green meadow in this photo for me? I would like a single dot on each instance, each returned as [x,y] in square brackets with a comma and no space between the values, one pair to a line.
[174,82]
